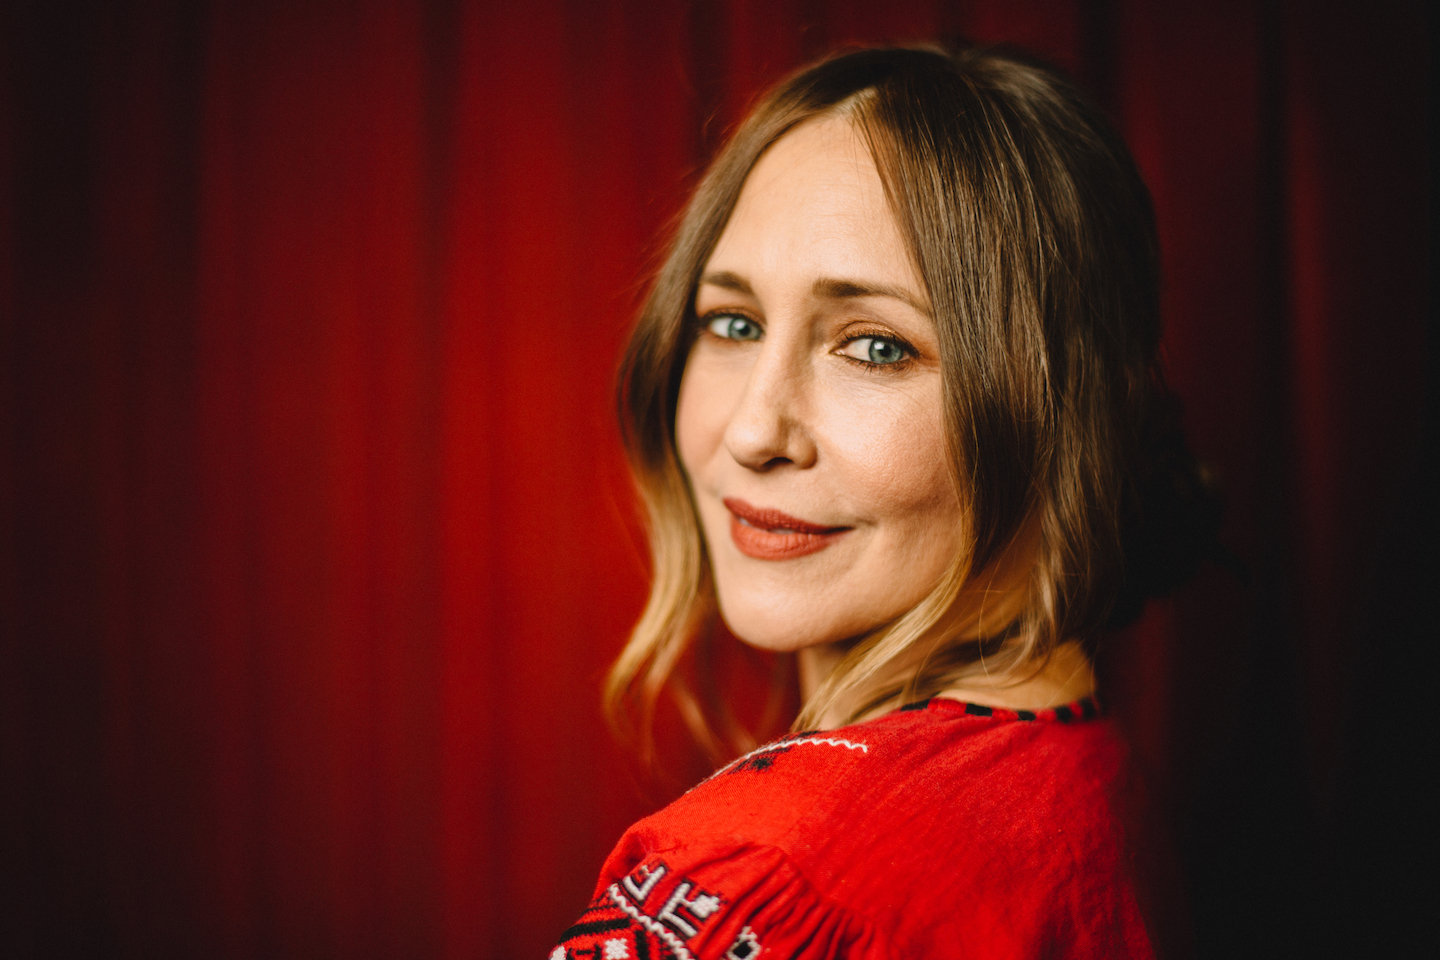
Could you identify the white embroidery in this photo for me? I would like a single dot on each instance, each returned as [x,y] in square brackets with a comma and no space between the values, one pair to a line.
[616,949]
[745,947]
[652,877]
[557,954]
[676,945]
[771,747]
[701,908]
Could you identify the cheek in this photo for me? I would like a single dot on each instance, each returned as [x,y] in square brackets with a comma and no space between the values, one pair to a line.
[699,418]
[894,458]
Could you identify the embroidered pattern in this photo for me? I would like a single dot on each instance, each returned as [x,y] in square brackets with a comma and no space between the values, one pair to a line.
[745,947]
[700,908]
[642,889]
[761,757]
[594,927]
[1085,709]
[652,913]
[604,933]
[676,945]
[684,908]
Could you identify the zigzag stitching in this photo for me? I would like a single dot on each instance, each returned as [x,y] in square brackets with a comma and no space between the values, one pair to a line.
[672,941]
[769,747]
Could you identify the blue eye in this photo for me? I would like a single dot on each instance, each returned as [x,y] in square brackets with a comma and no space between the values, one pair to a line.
[876,350]
[733,326]
[884,351]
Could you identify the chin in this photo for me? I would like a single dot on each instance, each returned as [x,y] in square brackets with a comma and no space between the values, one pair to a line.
[778,627]
[775,641]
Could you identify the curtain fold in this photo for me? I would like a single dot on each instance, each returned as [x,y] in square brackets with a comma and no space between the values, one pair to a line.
[317,536]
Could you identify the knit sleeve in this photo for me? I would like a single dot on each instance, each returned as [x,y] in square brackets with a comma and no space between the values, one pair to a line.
[729,904]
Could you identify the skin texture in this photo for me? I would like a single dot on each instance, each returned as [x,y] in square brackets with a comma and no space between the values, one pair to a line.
[813,389]
[798,420]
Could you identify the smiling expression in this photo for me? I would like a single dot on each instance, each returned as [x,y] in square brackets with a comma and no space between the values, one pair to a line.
[809,421]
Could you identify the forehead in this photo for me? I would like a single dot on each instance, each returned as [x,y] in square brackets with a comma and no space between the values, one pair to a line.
[824,157]
[814,205]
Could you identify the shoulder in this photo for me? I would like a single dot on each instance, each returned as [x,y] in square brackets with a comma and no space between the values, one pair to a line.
[938,829]
[938,779]
[697,902]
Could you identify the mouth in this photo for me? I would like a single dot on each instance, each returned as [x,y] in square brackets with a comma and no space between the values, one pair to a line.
[766,534]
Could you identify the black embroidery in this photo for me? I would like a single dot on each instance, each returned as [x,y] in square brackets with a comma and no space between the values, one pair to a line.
[618,936]
[763,758]
[1085,708]
[745,946]
[759,762]
[594,927]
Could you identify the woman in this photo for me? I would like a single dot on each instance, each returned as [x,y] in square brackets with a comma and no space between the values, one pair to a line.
[893,405]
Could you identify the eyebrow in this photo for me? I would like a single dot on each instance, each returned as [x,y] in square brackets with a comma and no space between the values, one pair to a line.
[829,288]
[728,281]
[834,289]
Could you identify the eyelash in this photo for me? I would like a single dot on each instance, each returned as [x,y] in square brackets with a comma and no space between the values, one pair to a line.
[899,365]
[703,322]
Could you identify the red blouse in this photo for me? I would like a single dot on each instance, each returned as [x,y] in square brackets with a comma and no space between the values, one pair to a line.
[941,830]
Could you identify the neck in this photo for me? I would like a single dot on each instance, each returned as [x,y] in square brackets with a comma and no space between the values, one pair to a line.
[1066,677]
[814,664]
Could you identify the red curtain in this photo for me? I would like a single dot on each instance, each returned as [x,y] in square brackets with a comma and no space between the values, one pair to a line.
[316,539]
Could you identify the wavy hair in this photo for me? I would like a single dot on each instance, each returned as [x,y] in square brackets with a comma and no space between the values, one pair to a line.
[1035,238]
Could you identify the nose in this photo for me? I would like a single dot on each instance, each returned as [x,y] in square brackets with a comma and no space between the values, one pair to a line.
[768,428]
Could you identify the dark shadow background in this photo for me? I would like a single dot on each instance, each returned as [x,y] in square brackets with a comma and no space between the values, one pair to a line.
[314,536]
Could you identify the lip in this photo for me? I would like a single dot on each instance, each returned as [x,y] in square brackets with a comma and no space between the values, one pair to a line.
[755,531]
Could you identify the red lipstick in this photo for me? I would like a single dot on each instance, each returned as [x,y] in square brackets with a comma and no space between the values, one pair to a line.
[767,534]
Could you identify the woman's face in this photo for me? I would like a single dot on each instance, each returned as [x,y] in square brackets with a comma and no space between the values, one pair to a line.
[809,420]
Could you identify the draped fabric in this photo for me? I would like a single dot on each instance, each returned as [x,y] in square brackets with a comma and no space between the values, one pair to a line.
[316,537]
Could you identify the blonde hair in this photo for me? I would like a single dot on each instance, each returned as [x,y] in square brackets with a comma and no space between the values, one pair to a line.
[1034,236]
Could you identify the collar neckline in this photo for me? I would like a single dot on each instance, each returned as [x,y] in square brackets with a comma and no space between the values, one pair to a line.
[1086,708]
